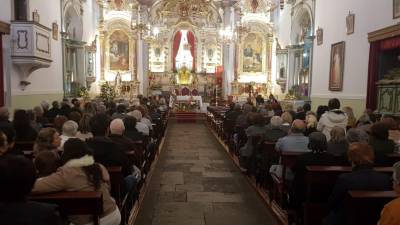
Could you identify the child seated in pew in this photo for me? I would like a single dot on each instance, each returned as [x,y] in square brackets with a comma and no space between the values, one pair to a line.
[363,177]
[79,172]
[391,212]
[17,176]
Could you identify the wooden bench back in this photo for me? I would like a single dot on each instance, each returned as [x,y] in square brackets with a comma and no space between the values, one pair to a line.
[117,182]
[364,207]
[75,203]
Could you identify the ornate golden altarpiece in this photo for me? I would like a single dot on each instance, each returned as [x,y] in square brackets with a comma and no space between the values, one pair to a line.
[118,48]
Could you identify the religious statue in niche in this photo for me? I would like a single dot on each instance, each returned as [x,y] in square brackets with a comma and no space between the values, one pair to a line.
[157,53]
[118,84]
[119,51]
[210,54]
[252,53]
[305,27]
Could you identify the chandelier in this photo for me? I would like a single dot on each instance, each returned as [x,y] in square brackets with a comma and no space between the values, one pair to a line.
[141,29]
[139,26]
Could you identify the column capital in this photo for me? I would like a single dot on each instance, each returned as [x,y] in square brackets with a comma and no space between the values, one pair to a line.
[228,3]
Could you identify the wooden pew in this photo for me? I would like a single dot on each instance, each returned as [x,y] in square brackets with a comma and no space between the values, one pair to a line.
[364,207]
[117,183]
[270,157]
[118,191]
[288,159]
[75,203]
[320,181]
[393,158]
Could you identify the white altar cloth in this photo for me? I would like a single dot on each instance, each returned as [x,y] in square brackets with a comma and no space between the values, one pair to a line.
[198,99]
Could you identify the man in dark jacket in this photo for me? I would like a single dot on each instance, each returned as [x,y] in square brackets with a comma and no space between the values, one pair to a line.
[274,131]
[117,130]
[363,177]
[105,151]
[53,112]
[17,177]
[235,113]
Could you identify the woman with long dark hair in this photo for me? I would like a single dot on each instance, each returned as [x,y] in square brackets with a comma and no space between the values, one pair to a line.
[79,172]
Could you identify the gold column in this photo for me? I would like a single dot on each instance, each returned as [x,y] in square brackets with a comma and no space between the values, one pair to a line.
[101,39]
[270,40]
[102,55]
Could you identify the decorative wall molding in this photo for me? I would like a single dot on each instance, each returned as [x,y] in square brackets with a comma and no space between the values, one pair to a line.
[384,33]
[341,96]
[4,28]
[31,48]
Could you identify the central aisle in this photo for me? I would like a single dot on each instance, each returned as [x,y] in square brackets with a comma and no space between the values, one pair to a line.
[196,183]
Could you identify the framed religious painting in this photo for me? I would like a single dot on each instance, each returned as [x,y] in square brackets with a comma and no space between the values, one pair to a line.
[252,53]
[396,9]
[55,31]
[320,36]
[337,66]
[119,51]
[350,20]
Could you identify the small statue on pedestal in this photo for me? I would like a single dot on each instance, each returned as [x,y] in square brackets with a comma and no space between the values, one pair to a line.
[118,84]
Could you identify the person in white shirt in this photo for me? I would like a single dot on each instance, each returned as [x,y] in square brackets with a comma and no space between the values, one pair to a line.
[333,117]
[69,130]
[140,126]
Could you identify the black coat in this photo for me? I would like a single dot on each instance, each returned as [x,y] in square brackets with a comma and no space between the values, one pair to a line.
[362,178]
[381,148]
[106,152]
[273,134]
[124,143]
[338,149]
[28,213]
[134,135]
[51,114]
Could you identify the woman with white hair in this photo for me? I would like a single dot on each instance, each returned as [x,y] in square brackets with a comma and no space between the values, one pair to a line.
[275,132]
[140,126]
[390,214]
[69,130]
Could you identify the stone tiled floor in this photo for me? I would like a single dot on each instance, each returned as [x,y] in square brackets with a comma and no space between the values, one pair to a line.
[195,183]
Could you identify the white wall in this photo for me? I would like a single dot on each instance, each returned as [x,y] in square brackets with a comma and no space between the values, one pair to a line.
[284,26]
[46,80]
[370,15]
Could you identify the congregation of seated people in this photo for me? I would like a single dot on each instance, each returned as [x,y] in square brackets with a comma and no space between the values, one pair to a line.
[331,136]
[69,148]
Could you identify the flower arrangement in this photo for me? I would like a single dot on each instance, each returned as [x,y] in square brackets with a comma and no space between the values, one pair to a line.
[83,92]
[107,92]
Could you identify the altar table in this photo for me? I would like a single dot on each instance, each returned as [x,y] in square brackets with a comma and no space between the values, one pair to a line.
[181,98]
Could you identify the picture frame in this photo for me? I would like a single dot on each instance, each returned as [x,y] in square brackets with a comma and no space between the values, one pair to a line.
[55,31]
[350,21]
[396,9]
[337,64]
[35,16]
[320,36]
